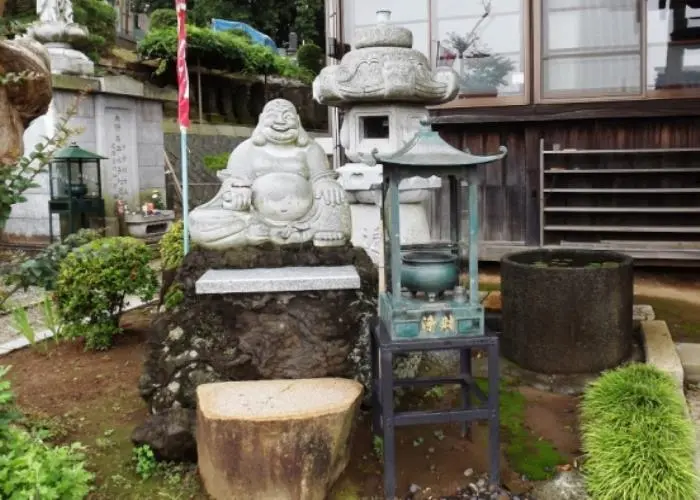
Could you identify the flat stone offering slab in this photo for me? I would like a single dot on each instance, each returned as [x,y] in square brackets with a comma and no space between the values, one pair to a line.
[280,279]
[275,439]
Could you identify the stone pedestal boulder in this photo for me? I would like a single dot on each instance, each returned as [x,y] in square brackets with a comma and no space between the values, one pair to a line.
[213,338]
[275,439]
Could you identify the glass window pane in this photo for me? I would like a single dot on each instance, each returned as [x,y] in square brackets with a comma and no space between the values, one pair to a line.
[591,47]
[483,41]
[673,44]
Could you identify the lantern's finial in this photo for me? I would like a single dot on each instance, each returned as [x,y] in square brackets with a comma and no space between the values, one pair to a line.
[383,16]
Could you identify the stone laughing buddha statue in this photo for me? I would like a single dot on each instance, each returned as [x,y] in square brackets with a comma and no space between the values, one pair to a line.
[277,187]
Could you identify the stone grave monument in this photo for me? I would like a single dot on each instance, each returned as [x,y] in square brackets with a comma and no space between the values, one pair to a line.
[120,118]
[383,87]
[272,289]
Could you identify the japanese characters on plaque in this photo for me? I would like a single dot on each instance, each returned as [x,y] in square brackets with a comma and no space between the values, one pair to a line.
[442,323]
[117,151]
[118,135]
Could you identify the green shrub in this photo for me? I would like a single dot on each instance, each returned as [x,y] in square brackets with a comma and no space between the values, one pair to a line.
[218,50]
[42,270]
[100,18]
[172,249]
[214,163]
[30,468]
[163,18]
[638,441]
[94,282]
[310,56]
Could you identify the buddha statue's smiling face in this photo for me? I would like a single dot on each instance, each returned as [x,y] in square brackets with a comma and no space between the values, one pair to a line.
[280,122]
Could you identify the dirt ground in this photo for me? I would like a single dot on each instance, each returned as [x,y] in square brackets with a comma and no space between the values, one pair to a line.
[93,398]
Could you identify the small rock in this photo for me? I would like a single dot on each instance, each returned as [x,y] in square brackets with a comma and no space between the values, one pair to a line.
[414,489]
[175,334]
[468,472]
[567,485]
[169,434]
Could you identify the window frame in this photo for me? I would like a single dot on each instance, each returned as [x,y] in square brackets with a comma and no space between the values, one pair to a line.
[533,43]
[465,101]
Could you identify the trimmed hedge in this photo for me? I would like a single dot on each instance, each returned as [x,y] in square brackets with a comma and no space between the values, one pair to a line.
[163,18]
[219,50]
[638,439]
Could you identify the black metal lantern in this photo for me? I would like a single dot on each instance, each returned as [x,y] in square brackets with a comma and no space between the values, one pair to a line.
[75,180]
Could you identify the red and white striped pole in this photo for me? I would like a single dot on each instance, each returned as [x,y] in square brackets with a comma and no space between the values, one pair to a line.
[183,112]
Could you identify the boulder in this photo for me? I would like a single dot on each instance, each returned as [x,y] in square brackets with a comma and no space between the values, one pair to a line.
[275,439]
[212,338]
[216,338]
[169,434]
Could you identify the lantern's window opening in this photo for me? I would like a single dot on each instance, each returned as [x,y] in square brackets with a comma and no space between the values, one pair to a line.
[374,127]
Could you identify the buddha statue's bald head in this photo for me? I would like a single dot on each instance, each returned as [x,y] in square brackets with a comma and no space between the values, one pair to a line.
[279,123]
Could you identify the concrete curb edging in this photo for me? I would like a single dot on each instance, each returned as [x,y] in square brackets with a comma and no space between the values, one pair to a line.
[21,342]
[660,350]
[664,354]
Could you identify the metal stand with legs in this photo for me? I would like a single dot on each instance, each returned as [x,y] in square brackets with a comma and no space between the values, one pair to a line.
[385,419]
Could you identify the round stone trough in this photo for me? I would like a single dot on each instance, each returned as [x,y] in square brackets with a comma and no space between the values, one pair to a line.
[567,311]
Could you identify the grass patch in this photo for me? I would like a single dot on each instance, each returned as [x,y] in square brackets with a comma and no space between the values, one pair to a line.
[638,441]
[109,452]
[682,318]
[533,457]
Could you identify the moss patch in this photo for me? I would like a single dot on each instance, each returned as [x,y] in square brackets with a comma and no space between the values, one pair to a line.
[682,318]
[533,457]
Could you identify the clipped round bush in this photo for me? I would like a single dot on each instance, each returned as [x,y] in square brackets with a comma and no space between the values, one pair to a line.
[638,440]
[94,282]
[163,18]
[310,57]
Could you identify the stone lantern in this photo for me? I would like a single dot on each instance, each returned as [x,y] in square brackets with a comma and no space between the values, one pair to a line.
[382,87]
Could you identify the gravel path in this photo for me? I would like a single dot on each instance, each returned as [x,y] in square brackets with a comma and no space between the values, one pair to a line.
[31,299]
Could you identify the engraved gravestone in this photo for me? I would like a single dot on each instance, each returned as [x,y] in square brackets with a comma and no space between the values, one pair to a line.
[120,182]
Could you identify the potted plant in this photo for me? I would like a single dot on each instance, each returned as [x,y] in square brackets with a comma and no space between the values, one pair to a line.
[481,72]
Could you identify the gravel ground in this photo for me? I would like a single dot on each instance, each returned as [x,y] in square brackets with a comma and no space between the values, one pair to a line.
[477,488]
[29,299]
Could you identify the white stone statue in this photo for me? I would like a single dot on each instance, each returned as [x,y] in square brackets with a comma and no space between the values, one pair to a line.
[277,187]
[55,11]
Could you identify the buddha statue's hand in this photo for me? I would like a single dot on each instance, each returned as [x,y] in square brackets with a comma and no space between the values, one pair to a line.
[237,199]
[329,191]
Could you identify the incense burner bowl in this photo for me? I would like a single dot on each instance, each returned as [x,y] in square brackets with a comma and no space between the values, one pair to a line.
[430,272]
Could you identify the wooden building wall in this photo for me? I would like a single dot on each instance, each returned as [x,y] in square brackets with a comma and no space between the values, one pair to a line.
[510,192]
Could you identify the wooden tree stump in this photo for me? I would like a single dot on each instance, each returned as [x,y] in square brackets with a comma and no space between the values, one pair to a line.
[275,439]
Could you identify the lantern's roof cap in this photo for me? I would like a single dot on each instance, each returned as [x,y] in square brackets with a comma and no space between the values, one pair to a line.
[428,149]
[74,152]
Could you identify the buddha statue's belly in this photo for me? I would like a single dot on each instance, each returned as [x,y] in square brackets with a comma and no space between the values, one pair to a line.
[283,197]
